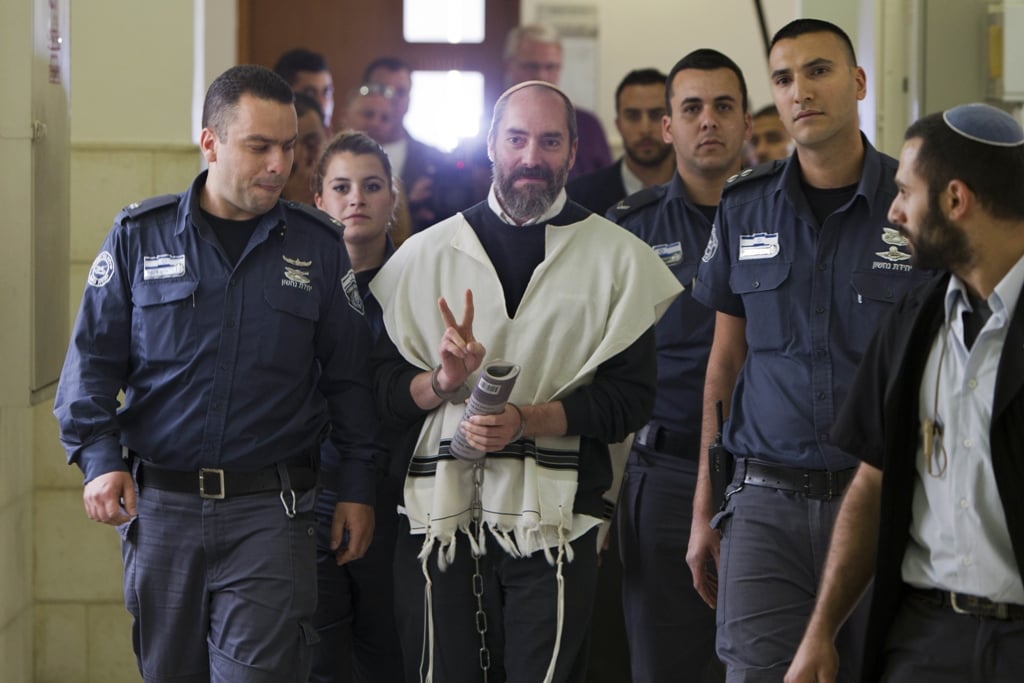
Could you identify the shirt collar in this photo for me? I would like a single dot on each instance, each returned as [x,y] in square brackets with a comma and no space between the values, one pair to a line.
[1002,301]
[553,210]
[630,181]
[867,186]
[193,216]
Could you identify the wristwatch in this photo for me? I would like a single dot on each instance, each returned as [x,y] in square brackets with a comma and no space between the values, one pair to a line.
[459,395]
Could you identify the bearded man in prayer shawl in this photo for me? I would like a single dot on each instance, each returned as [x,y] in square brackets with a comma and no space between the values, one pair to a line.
[496,569]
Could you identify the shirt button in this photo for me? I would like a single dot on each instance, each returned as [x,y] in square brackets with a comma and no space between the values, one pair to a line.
[756,284]
[821,395]
[821,266]
[234,282]
[964,504]
[967,561]
[231,324]
[968,443]
[972,383]
[823,437]
[224,367]
[819,310]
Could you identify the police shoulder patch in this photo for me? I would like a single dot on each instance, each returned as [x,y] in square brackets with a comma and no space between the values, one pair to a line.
[136,209]
[635,201]
[769,168]
[317,216]
[350,286]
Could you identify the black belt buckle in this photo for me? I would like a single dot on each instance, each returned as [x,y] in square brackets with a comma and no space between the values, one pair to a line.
[826,481]
[219,479]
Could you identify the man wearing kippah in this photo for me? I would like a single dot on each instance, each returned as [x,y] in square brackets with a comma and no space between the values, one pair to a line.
[936,413]
[496,568]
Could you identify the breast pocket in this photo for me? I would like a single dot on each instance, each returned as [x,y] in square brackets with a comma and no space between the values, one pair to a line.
[287,329]
[766,302]
[872,294]
[164,323]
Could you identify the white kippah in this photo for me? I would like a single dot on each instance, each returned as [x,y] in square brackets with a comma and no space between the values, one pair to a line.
[985,124]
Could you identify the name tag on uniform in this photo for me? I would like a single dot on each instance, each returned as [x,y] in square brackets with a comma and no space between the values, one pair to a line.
[671,254]
[163,266]
[760,245]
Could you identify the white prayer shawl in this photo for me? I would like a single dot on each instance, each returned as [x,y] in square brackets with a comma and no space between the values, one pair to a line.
[597,290]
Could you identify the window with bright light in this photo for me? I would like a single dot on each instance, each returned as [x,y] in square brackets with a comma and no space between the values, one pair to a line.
[445,106]
[443,21]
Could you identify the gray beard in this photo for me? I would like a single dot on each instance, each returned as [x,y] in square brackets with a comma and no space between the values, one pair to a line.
[522,205]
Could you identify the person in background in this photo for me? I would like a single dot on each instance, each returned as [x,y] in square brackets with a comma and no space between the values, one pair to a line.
[934,514]
[307,73]
[670,628]
[308,146]
[770,140]
[231,323]
[534,52]
[647,158]
[355,611]
[800,268]
[431,180]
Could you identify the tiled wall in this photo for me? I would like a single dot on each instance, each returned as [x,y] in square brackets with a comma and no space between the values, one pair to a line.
[82,632]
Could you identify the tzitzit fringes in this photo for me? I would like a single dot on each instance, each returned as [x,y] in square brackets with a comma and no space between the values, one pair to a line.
[427,648]
[563,548]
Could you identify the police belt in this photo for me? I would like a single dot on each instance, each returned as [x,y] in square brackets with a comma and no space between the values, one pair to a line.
[818,484]
[217,483]
[967,604]
[657,438]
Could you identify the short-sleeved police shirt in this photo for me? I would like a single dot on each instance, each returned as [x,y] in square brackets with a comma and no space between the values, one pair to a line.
[812,298]
[665,218]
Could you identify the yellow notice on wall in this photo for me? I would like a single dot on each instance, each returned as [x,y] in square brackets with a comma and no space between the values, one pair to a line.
[995,51]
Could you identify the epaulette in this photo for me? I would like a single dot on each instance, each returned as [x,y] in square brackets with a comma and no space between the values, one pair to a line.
[321,218]
[768,168]
[637,200]
[136,209]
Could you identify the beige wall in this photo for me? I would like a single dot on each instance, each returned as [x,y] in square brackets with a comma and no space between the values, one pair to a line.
[131,137]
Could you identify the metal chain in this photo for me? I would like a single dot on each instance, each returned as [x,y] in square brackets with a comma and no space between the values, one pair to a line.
[478,578]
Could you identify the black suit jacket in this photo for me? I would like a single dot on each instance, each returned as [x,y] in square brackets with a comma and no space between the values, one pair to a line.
[598,190]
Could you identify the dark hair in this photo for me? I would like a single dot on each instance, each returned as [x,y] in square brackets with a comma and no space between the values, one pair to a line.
[994,174]
[356,143]
[769,110]
[639,77]
[502,103]
[800,27]
[245,79]
[305,104]
[386,63]
[703,59]
[300,59]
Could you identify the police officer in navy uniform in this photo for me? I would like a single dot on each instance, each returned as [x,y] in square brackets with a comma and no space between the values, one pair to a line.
[669,627]
[801,265]
[232,323]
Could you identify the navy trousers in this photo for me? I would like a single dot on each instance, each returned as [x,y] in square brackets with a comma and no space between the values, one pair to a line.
[671,630]
[355,616]
[221,590]
[774,545]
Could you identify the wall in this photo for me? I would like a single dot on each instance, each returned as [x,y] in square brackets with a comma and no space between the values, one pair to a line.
[131,137]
